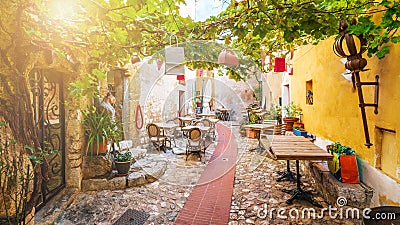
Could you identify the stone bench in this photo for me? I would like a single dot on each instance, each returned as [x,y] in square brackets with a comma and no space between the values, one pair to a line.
[357,195]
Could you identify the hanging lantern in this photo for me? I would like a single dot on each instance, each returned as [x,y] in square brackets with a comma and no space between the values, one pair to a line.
[228,58]
[279,65]
[180,77]
[174,57]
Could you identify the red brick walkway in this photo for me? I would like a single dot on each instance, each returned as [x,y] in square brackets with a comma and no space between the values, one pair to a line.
[210,200]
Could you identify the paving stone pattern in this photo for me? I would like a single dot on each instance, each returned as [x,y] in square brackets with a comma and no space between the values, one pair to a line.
[254,188]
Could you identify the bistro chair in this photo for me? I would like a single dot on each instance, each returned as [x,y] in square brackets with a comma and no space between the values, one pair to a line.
[156,138]
[194,142]
[207,123]
[171,133]
[181,124]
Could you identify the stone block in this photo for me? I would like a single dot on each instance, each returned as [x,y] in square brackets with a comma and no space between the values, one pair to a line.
[156,171]
[136,179]
[117,183]
[138,153]
[96,167]
[93,184]
[357,195]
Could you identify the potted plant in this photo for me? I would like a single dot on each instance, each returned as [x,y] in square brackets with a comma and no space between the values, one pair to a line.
[123,162]
[198,101]
[297,130]
[274,113]
[344,163]
[253,119]
[293,112]
[99,129]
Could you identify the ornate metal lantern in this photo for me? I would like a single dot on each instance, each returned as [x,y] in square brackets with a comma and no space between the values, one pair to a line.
[353,50]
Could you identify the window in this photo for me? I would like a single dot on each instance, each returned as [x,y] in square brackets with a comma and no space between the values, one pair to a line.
[309,93]
[386,152]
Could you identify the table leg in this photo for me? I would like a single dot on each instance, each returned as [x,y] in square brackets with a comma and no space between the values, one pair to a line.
[300,193]
[258,147]
[287,174]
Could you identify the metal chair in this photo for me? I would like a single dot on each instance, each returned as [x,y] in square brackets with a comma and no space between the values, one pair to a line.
[171,134]
[206,122]
[156,138]
[194,142]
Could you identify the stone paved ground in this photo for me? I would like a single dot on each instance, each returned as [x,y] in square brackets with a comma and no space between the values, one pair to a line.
[162,199]
[256,193]
[255,188]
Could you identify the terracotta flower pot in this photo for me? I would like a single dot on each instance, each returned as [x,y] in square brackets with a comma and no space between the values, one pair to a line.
[100,149]
[250,133]
[289,121]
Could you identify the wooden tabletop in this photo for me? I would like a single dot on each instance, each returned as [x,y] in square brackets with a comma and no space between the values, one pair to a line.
[259,126]
[224,109]
[186,119]
[212,120]
[167,126]
[202,128]
[206,114]
[295,148]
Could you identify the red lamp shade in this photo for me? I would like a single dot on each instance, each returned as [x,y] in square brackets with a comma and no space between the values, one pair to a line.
[180,77]
[279,65]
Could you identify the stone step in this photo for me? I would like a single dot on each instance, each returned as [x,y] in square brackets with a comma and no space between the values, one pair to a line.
[145,170]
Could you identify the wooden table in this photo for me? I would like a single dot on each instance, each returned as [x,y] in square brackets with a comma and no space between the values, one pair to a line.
[167,126]
[202,128]
[296,148]
[260,127]
[206,115]
[186,120]
[224,113]
[213,121]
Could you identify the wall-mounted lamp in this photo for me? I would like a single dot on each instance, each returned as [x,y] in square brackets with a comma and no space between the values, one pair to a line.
[356,63]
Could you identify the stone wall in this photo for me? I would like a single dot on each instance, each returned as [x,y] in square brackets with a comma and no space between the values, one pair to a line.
[357,195]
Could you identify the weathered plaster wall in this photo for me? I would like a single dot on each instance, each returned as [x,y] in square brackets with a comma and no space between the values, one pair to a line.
[335,115]
[274,81]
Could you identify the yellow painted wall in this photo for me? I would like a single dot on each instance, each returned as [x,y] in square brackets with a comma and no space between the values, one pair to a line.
[335,114]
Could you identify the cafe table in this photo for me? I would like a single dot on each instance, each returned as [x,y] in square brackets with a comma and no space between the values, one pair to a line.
[225,113]
[206,115]
[295,148]
[165,127]
[186,120]
[259,127]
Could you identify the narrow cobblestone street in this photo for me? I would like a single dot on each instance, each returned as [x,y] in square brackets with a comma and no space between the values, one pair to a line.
[256,194]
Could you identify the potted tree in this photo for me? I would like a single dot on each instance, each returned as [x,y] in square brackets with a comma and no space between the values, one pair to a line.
[99,129]
[293,112]
[123,162]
